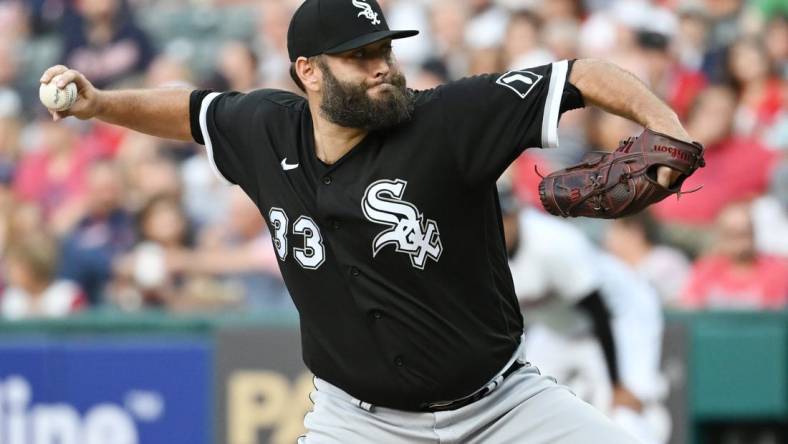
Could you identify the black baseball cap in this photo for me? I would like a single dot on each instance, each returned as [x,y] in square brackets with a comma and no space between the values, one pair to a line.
[334,26]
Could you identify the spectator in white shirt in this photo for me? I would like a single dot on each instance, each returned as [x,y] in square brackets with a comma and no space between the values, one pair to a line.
[33,291]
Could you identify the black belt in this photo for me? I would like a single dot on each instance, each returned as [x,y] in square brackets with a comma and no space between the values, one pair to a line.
[442,406]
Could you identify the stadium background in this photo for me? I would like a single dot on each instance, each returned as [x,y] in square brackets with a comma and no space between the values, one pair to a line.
[140,296]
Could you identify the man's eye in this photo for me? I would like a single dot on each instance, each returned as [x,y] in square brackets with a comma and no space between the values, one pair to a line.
[358,55]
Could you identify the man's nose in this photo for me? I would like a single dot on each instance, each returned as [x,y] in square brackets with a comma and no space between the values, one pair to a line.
[380,67]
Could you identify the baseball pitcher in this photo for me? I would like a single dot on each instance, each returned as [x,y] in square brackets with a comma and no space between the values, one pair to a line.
[383,211]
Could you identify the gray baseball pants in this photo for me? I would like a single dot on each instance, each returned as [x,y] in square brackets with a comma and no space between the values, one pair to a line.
[526,408]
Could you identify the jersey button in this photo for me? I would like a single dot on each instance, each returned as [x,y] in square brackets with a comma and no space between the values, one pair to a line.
[335,224]
[398,361]
[377,315]
[355,271]
[327,180]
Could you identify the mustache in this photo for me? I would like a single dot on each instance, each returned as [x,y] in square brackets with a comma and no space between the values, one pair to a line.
[396,80]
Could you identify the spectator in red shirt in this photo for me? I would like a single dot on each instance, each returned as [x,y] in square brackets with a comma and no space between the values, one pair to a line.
[734,275]
[52,175]
[737,168]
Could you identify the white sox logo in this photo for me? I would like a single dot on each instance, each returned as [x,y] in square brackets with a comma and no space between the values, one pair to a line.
[366,11]
[521,82]
[410,233]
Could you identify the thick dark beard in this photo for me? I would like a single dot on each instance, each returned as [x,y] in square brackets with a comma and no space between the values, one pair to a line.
[349,105]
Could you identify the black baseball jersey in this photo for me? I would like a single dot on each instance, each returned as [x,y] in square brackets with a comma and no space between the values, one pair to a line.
[394,255]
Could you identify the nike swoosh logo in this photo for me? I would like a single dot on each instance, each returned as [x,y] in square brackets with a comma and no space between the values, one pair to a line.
[288,167]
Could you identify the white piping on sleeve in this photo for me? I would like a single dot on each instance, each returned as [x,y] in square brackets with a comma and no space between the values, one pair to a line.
[206,102]
[553,104]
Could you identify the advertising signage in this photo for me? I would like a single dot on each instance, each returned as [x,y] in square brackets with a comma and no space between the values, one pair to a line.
[108,391]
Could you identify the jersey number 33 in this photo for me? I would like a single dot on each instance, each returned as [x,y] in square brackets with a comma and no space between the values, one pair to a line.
[408,231]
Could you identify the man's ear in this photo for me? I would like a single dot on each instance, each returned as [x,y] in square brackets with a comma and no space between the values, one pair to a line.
[309,73]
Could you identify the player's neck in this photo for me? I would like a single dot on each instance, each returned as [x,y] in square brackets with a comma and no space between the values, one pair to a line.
[333,141]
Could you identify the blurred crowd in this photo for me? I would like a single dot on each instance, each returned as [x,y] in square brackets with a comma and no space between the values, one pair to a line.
[93,215]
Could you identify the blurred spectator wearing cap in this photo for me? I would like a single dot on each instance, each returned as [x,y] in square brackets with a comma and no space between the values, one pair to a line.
[33,291]
[736,167]
[660,64]
[770,215]
[104,43]
[105,231]
[636,241]
[734,275]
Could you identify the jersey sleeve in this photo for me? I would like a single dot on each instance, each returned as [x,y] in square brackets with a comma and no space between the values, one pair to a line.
[225,123]
[492,118]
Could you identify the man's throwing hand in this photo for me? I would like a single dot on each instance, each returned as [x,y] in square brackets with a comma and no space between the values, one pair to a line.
[86,106]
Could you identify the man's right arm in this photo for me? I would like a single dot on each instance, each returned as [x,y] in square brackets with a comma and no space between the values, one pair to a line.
[160,112]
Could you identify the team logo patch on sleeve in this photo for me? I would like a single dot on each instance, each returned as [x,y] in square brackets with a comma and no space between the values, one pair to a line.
[409,232]
[521,82]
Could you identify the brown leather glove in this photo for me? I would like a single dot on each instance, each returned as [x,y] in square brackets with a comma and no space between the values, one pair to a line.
[621,183]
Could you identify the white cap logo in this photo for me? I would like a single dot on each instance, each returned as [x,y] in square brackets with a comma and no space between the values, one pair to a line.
[366,11]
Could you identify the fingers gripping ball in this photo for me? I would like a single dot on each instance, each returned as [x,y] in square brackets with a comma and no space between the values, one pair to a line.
[58,99]
[621,183]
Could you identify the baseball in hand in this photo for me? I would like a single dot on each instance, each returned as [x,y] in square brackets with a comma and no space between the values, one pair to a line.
[57,99]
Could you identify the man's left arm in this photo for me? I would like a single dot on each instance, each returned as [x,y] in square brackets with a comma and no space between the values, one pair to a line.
[615,90]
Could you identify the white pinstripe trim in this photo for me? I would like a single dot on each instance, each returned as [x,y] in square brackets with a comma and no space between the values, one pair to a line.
[553,104]
[206,102]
